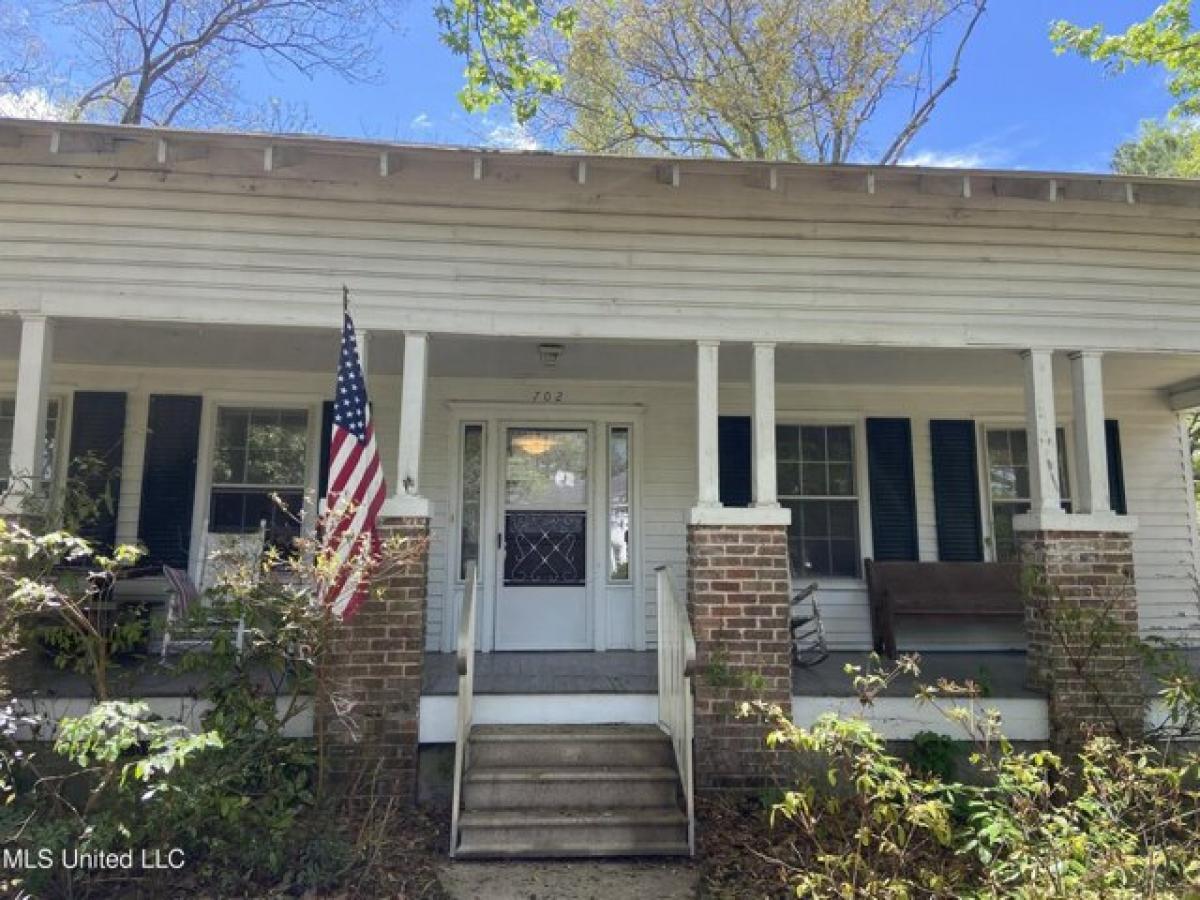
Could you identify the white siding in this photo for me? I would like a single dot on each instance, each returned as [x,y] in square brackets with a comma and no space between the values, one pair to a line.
[527,252]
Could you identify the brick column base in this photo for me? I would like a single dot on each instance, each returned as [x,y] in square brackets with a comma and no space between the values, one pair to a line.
[738,599]
[373,675]
[1081,621]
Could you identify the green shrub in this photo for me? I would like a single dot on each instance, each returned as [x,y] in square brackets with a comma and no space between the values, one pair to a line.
[1121,821]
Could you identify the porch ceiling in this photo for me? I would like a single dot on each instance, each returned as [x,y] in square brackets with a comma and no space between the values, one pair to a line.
[99,342]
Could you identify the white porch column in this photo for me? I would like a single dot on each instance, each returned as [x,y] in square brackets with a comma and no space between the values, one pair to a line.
[763,432]
[708,464]
[1091,455]
[1040,425]
[33,382]
[407,499]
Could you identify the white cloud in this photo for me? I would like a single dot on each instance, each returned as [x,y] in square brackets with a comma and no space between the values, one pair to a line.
[31,103]
[421,122]
[512,137]
[934,159]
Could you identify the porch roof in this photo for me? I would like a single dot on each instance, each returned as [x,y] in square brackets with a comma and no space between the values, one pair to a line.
[73,143]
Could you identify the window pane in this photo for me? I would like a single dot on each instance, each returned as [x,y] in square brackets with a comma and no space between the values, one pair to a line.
[276,447]
[841,479]
[812,443]
[243,510]
[787,443]
[618,504]
[839,442]
[229,458]
[815,482]
[999,451]
[1002,529]
[546,468]
[823,538]
[1004,481]
[789,478]
[472,487]
[843,519]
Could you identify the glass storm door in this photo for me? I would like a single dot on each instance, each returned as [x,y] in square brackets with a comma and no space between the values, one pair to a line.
[542,597]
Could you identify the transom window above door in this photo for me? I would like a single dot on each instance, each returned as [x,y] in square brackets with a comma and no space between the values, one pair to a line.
[815,467]
[258,453]
[1008,484]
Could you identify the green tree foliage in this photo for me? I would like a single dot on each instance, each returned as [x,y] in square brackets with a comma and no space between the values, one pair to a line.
[1165,149]
[1166,39]
[494,38]
[781,79]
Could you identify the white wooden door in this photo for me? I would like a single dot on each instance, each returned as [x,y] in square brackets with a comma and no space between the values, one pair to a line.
[543,598]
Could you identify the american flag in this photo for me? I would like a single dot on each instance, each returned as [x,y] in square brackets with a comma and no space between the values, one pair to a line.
[356,486]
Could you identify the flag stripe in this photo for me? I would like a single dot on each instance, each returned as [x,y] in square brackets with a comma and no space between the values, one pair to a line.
[356,486]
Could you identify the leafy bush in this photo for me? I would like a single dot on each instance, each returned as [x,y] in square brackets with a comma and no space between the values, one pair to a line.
[1119,822]
[243,799]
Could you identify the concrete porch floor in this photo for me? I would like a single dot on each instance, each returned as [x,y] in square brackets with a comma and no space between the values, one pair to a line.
[1000,674]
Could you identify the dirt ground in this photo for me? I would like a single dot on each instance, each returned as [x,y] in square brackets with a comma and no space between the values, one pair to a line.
[575,880]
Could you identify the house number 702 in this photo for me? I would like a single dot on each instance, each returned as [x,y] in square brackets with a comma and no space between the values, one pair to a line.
[549,396]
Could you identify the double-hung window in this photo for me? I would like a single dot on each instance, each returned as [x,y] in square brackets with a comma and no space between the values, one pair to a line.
[1008,484]
[818,483]
[259,454]
[8,411]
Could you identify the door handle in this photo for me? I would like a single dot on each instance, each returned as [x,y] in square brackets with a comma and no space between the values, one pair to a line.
[499,540]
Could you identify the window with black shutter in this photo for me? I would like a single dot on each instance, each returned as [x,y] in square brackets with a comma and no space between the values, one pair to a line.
[97,440]
[893,497]
[169,478]
[956,490]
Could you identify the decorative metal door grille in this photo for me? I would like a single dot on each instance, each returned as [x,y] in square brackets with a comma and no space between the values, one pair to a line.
[544,549]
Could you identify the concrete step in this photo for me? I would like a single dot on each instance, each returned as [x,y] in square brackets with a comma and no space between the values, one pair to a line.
[629,831]
[569,787]
[564,746]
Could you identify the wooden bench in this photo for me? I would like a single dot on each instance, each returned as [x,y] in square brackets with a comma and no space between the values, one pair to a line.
[940,590]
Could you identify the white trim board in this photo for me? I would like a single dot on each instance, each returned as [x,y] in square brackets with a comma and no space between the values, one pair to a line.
[901,718]
[439,713]
[896,718]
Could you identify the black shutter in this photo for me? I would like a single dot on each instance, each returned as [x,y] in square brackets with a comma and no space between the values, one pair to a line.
[956,490]
[169,478]
[893,497]
[734,447]
[326,432]
[1116,471]
[97,438]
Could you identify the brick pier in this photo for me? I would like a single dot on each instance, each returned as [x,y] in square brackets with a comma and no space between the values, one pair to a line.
[374,668]
[738,599]
[1081,620]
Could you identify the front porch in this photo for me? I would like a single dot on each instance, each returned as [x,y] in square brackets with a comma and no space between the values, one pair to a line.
[739,473]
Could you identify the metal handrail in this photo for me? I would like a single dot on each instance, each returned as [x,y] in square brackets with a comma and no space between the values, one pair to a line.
[466,695]
[676,662]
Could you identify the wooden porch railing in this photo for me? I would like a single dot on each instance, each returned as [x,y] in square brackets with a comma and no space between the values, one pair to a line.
[676,661]
[466,698]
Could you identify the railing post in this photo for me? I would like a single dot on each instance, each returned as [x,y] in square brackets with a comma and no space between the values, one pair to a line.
[466,688]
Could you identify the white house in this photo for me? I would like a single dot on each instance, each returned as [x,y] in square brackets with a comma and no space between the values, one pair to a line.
[580,366]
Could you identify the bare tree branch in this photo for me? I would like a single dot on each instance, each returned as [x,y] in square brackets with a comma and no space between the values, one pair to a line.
[168,61]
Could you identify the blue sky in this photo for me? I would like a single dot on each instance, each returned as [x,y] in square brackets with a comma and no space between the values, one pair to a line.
[1016,104]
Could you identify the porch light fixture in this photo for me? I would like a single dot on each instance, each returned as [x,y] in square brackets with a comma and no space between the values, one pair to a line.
[534,444]
[549,354]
